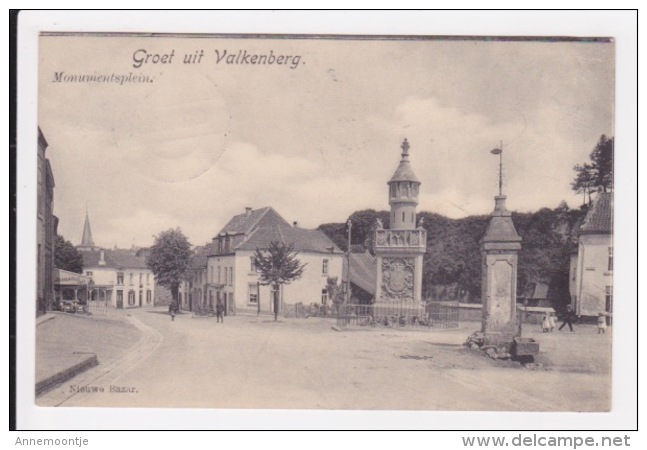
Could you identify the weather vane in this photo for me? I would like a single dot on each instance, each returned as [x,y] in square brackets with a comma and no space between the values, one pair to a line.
[499,151]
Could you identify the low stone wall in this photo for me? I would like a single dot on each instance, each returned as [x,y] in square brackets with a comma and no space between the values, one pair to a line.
[470,312]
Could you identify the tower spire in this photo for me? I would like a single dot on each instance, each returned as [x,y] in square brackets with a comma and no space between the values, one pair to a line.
[86,240]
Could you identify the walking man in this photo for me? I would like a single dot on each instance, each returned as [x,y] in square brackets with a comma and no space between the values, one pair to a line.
[172,309]
[220,311]
[568,318]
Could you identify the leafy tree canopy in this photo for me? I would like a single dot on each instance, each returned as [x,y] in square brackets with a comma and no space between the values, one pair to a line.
[278,264]
[66,256]
[598,174]
[169,259]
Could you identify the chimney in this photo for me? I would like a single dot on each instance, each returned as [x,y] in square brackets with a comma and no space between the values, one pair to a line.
[295,224]
[248,211]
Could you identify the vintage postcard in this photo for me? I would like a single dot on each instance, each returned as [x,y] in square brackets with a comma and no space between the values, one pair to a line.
[324,222]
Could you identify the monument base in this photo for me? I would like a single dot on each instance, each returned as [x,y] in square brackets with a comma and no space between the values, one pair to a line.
[504,343]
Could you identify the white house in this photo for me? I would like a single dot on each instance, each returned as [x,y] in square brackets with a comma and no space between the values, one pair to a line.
[118,276]
[591,278]
[122,276]
[229,271]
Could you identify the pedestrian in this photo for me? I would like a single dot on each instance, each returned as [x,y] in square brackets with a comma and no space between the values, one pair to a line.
[602,323]
[220,311]
[172,309]
[545,323]
[551,321]
[568,318]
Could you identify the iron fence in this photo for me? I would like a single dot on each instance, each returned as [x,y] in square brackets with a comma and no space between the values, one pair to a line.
[429,315]
[97,307]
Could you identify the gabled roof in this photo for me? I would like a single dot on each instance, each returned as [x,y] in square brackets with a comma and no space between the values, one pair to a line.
[244,223]
[116,259]
[599,219]
[302,239]
[363,271]
[263,226]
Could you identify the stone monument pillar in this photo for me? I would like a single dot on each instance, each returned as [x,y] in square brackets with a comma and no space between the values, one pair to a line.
[499,247]
[400,249]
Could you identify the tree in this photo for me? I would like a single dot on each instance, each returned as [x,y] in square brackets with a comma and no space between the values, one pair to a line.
[598,175]
[337,233]
[169,259]
[66,256]
[584,181]
[602,158]
[277,265]
[335,293]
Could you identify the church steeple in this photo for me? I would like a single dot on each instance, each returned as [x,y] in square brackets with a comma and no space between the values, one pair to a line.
[87,243]
[403,193]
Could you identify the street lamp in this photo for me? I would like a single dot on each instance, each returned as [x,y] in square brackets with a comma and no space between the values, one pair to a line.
[499,151]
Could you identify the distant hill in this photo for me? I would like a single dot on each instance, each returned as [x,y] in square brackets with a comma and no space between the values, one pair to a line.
[452,265]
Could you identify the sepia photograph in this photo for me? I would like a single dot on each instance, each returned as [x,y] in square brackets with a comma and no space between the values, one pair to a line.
[325,222]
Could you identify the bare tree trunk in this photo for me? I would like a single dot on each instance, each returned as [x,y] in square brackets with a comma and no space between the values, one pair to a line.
[276,303]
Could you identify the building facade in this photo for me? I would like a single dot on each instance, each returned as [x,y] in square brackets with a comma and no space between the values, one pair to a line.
[45,230]
[225,270]
[119,277]
[591,280]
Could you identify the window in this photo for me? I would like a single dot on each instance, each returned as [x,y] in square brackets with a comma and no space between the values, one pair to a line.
[402,216]
[610,264]
[88,273]
[218,274]
[131,278]
[148,278]
[141,277]
[149,296]
[253,293]
[392,190]
[211,278]
[131,297]
[609,299]
[120,278]
[252,267]
[120,298]
[413,219]
[324,296]
[324,267]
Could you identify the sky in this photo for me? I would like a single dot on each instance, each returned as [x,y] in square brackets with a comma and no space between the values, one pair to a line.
[316,139]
